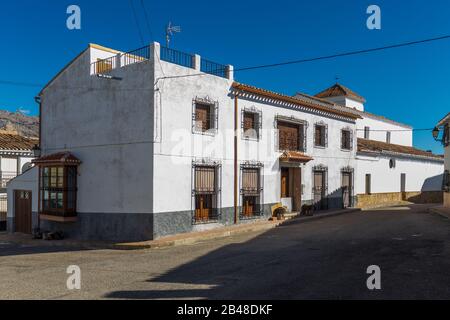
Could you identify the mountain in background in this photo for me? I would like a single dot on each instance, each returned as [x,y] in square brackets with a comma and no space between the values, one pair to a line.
[19,123]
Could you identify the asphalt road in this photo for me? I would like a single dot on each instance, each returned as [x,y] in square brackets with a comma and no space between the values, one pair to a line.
[321,259]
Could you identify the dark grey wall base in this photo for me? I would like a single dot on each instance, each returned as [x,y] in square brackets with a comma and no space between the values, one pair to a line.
[105,226]
[170,223]
[129,227]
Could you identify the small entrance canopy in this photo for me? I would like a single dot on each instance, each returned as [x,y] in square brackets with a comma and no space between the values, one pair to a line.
[295,157]
[60,158]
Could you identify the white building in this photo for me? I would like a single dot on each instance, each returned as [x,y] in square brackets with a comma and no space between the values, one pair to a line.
[389,168]
[445,125]
[140,145]
[15,158]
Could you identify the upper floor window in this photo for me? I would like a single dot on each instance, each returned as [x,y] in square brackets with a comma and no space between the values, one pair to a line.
[320,135]
[388,137]
[346,139]
[251,124]
[366,132]
[205,116]
[292,136]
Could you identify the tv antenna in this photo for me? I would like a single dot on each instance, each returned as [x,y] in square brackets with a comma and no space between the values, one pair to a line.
[170,30]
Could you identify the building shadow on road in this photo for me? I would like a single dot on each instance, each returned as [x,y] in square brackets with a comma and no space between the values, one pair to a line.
[322,259]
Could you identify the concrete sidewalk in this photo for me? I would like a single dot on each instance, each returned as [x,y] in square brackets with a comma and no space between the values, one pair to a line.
[443,212]
[170,241]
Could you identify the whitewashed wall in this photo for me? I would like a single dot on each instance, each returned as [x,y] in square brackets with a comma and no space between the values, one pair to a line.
[403,137]
[421,175]
[108,125]
[28,181]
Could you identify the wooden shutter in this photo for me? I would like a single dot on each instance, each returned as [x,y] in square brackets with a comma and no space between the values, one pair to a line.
[202,117]
[205,179]
[289,135]
[250,180]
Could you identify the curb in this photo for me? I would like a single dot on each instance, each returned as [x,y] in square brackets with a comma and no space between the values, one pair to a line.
[196,238]
[438,212]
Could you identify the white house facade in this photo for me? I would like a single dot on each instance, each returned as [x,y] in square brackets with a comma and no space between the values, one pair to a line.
[15,158]
[156,142]
[139,145]
[389,168]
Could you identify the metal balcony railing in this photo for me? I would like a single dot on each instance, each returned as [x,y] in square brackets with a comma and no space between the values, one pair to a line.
[103,66]
[213,68]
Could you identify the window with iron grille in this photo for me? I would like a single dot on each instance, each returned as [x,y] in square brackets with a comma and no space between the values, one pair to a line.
[205,193]
[346,139]
[58,190]
[291,136]
[251,124]
[251,191]
[205,116]
[320,135]
[446,181]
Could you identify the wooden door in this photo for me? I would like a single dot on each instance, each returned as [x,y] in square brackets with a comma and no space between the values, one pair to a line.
[297,176]
[284,182]
[22,211]
[346,189]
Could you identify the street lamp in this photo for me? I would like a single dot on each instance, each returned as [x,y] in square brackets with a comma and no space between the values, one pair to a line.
[436,134]
[36,151]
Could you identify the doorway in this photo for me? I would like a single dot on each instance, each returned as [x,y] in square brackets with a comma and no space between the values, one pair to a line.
[320,199]
[22,211]
[347,189]
[291,188]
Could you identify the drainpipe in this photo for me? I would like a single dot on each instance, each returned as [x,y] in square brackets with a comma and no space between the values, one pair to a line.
[236,111]
[39,102]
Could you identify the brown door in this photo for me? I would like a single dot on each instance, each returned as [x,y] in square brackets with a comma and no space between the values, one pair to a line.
[22,211]
[284,182]
[346,189]
[297,175]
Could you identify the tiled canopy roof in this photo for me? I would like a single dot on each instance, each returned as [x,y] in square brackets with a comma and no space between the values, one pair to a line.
[58,158]
[339,90]
[365,145]
[14,142]
[292,100]
[295,156]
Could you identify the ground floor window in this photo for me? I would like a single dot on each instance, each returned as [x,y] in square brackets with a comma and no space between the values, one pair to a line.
[58,189]
[206,193]
[58,175]
[320,187]
[251,191]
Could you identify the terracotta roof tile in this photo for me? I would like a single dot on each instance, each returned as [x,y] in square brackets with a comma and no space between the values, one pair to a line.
[338,90]
[365,145]
[295,156]
[16,142]
[60,157]
[285,98]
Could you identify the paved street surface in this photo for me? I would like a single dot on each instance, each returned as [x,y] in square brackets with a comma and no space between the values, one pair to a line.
[322,259]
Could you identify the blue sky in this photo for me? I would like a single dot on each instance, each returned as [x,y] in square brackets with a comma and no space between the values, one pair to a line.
[410,85]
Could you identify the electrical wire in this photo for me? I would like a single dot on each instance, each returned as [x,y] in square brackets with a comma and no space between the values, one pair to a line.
[137,22]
